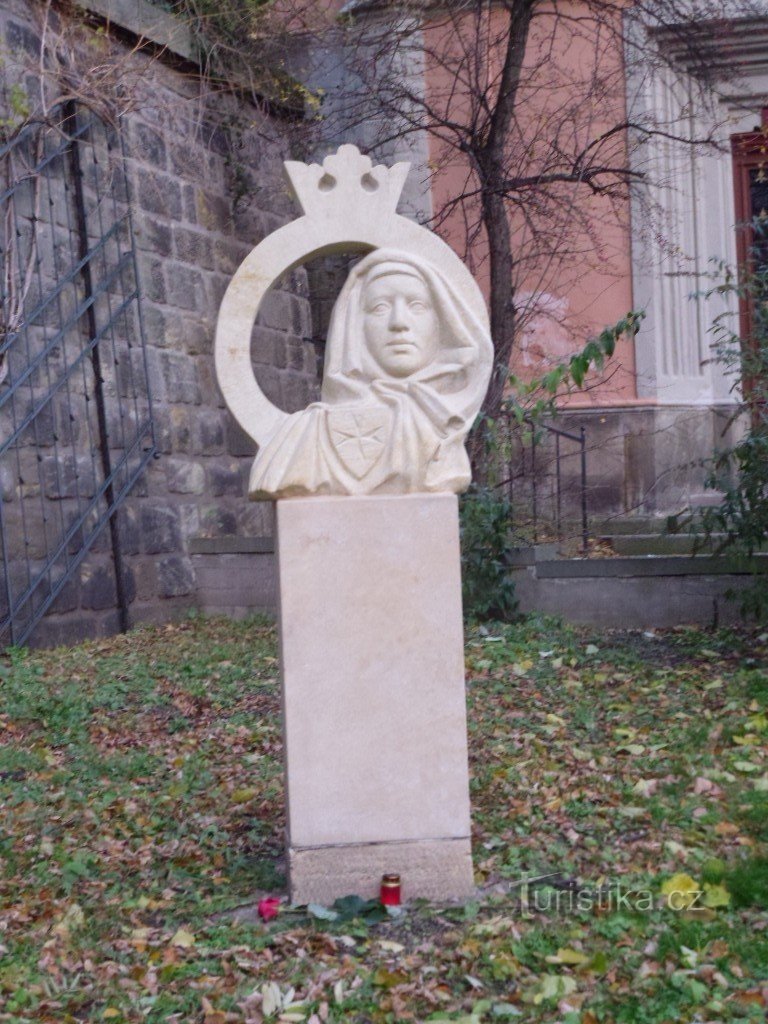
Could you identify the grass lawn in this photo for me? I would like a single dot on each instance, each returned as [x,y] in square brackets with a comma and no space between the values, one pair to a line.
[141,789]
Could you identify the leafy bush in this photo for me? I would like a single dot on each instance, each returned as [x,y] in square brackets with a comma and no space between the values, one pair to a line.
[486,588]
[486,516]
[741,472]
[536,399]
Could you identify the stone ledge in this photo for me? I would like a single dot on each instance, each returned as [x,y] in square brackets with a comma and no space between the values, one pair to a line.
[152,24]
[236,580]
[432,869]
[643,544]
[532,555]
[650,565]
[147,21]
[642,602]
[231,546]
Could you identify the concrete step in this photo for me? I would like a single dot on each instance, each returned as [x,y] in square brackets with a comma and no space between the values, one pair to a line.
[630,525]
[650,565]
[640,592]
[660,543]
[531,554]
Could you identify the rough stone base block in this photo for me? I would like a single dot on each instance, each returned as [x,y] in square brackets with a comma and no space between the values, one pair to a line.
[373,695]
[438,870]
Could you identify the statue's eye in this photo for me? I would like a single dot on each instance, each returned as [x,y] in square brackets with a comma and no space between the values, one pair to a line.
[417,306]
[380,308]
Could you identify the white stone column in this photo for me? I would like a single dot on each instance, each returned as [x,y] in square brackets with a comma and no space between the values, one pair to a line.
[683,218]
[373,696]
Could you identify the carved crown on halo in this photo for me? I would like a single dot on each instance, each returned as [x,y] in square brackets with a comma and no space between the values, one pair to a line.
[344,181]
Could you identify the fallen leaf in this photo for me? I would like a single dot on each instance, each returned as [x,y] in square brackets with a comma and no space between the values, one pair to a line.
[646,787]
[715,896]
[725,828]
[139,938]
[388,979]
[271,999]
[746,767]
[183,938]
[681,891]
[568,956]
[317,910]
[553,986]
[242,796]
[702,785]
[632,812]
[752,996]
[71,920]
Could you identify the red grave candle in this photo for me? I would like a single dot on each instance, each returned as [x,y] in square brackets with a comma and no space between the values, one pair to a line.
[390,890]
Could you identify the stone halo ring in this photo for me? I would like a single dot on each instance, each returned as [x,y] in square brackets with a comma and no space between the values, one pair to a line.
[348,205]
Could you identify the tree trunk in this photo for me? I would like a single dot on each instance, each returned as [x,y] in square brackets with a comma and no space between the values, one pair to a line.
[503,323]
[489,162]
[502,298]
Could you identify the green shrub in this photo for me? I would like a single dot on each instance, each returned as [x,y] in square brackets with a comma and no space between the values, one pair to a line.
[487,590]
[741,472]
[486,516]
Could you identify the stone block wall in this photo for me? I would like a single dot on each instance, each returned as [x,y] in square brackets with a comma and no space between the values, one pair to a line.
[649,461]
[643,464]
[205,173]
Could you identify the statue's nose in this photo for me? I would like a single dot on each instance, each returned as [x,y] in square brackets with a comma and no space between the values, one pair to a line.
[398,320]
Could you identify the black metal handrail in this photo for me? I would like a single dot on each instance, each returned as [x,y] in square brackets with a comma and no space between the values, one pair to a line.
[527,468]
[76,427]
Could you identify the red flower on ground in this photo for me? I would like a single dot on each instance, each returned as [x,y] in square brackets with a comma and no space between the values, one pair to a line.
[269,908]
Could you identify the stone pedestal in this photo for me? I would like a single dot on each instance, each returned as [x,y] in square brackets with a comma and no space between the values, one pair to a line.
[373,696]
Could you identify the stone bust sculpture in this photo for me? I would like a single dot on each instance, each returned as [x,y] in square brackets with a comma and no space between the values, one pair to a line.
[406,370]
[408,354]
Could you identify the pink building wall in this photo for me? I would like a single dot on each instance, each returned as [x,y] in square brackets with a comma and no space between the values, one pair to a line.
[573,276]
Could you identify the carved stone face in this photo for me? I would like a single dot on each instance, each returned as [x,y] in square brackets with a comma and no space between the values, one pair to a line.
[400,325]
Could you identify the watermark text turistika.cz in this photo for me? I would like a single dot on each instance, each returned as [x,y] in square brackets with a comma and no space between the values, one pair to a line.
[535,896]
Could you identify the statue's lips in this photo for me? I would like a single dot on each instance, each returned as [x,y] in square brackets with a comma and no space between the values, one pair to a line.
[403,343]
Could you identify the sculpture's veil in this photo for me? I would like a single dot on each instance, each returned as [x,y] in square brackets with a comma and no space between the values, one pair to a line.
[419,422]
[452,385]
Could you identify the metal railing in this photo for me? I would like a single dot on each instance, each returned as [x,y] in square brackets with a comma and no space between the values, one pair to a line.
[75,410]
[542,471]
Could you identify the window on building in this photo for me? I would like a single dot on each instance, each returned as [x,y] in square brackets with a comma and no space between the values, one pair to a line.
[750,169]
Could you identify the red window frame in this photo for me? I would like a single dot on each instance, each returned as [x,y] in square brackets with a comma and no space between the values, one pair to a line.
[749,151]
